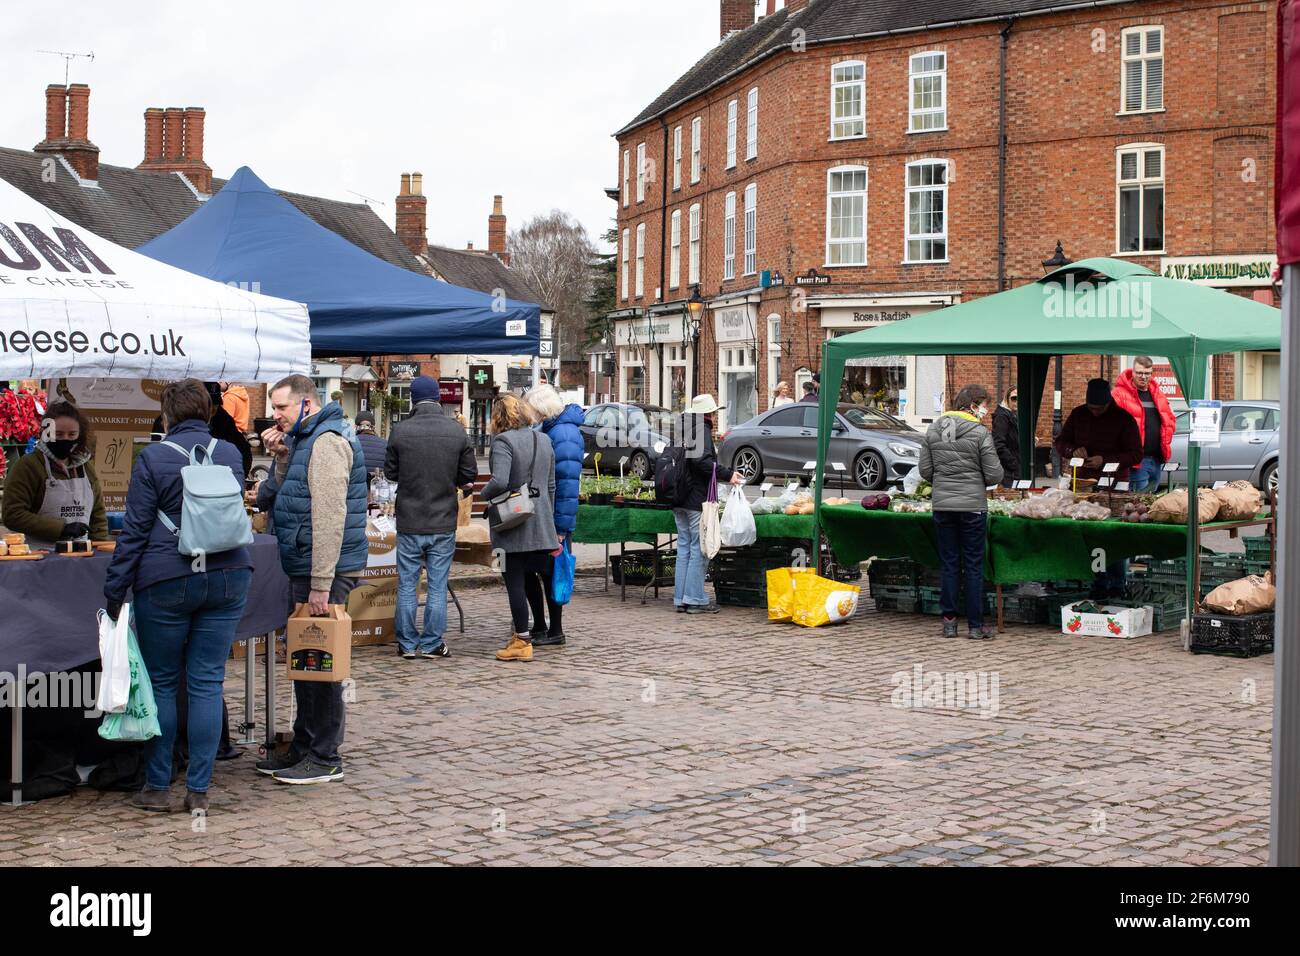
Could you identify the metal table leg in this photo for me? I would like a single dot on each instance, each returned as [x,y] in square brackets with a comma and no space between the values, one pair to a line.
[622,564]
[606,566]
[270,691]
[1001,623]
[19,688]
[250,692]
[456,601]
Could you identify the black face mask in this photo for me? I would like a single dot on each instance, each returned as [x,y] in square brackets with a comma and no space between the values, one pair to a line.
[62,448]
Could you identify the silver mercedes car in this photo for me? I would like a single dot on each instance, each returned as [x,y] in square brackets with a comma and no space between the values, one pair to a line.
[874,447]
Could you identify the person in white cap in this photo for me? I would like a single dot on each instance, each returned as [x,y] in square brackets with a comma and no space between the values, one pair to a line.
[695,434]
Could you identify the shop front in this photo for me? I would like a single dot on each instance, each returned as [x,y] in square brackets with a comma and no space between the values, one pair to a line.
[1255,375]
[909,387]
[735,329]
[654,357]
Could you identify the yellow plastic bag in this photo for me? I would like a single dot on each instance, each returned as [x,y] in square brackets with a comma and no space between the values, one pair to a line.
[780,592]
[819,601]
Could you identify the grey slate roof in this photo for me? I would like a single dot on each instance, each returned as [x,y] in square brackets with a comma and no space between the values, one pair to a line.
[825,21]
[132,206]
[482,272]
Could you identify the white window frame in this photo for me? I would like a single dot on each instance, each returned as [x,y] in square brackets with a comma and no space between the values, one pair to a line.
[1145,59]
[729,237]
[675,247]
[627,177]
[696,148]
[773,354]
[1142,181]
[751,125]
[836,86]
[627,246]
[640,172]
[831,195]
[913,74]
[908,190]
[732,108]
[640,260]
[751,229]
[693,246]
[677,159]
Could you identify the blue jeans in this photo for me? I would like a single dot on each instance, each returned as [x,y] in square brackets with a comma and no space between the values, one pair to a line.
[433,552]
[1146,475]
[188,622]
[961,537]
[688,577]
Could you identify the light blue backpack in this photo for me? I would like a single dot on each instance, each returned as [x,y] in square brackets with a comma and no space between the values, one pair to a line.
[213,518]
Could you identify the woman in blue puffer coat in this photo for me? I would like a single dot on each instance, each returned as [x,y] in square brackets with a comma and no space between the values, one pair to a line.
[559,423]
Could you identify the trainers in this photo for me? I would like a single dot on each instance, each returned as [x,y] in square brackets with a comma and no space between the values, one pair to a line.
[195,801]
[275,763]
[406,655]
[549,640]
[702,609]
[949,627]
[516,650]
[157,801]
[308,770]
[982,633]
[442,650]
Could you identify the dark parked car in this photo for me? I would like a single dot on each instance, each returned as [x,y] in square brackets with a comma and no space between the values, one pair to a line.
[877,448]
[1248,445]
[632,430]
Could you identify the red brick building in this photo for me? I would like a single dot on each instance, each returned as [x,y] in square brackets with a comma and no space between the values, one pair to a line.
[837,164]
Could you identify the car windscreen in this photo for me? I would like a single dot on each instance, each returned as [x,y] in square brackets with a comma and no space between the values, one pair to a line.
[860,417]
[652,418]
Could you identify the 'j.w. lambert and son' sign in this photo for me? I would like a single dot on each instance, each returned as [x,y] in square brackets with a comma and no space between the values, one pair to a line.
[1220,270]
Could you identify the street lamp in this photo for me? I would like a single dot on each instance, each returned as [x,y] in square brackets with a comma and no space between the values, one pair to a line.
[1058,260]
[695,310]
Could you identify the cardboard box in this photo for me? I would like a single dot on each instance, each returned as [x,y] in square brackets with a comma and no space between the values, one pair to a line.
[1115,622]
[318,648]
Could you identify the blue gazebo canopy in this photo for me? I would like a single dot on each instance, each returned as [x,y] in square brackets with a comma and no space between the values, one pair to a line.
[359,304]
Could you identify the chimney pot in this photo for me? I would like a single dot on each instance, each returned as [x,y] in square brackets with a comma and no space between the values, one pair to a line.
[56,112]
[497,231]
[405,189]
[193,135]
[79,112]
[417,184]
[153,135]
[411,213]
[173,143]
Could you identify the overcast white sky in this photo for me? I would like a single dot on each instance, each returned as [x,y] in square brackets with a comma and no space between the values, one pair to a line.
[517,97]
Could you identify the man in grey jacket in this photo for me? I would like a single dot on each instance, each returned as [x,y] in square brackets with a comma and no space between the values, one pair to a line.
[960,461]
[430,458]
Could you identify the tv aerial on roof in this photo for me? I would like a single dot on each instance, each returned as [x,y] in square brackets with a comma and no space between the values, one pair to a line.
[368,199]
[67,60]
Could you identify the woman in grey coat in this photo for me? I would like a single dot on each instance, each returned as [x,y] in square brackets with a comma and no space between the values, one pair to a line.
[522,456]
[960,461]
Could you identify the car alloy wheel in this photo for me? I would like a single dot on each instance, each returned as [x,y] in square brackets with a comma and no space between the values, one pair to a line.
[1270,480]
[748,464]
[639,465]
[869,471]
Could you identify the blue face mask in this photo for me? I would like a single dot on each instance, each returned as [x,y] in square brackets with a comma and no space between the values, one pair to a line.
[302,411]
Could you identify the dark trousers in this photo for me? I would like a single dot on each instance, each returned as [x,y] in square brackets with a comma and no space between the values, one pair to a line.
[961,551]
[521,566]
[540,600]
[318,728]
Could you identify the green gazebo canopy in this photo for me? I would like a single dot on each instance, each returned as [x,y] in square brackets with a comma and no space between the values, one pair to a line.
[1092,307]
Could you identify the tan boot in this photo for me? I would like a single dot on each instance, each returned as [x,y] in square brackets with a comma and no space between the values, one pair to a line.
[517,650]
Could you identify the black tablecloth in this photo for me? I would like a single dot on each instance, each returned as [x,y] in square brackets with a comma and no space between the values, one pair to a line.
[47,608]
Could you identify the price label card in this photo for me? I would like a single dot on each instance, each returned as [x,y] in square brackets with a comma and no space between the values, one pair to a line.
[765,487]
[1105,481]
[1121,486]
[1076,462]
[1024,484]
[1171,466]
[1110,466]
[838,465]
[1219,484]
[810,465]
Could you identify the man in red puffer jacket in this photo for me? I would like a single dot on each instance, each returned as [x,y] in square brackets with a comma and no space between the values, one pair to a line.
[1136,392]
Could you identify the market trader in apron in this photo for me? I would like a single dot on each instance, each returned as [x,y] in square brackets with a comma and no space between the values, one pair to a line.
[53,493]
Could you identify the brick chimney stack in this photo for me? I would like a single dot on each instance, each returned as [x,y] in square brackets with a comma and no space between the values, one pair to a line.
[794,6]
[411,213]
[173,143]
[497,231]
[737,15]
[67,128]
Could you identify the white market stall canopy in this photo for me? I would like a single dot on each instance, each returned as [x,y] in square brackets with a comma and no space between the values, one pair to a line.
[74,304]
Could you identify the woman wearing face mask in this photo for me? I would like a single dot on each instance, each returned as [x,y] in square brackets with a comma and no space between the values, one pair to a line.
[53,494]
[960,461]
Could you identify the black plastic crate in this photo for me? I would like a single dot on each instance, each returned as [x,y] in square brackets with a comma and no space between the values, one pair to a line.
[640,567]
[1244,635]
[892,572]
[903,605]
[740,596]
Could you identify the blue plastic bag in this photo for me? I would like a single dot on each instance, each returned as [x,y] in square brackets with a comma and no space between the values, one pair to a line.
[139,721]
[562,576]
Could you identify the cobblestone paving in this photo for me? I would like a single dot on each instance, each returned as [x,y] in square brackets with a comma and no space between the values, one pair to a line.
[654,737]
